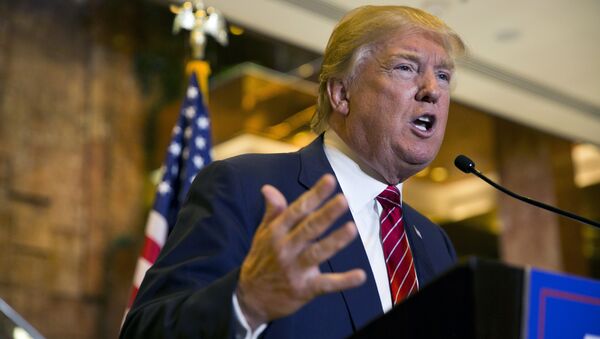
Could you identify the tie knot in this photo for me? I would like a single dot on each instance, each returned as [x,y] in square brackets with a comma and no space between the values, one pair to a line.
[390,197]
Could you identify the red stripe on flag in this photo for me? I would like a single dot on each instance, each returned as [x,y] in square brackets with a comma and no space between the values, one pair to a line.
[151,250]
[134,292]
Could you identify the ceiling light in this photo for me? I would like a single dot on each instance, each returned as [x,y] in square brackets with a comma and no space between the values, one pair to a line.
[306,70]
[508,34]
[236,30]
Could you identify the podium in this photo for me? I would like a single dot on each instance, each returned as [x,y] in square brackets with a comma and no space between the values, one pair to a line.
[485,299]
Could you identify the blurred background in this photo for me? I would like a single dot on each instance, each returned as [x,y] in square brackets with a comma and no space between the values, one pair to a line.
[90,91]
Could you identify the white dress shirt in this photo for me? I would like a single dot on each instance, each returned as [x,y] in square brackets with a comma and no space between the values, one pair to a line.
[360,187]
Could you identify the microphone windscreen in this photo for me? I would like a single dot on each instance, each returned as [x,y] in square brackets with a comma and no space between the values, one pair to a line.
[463,163]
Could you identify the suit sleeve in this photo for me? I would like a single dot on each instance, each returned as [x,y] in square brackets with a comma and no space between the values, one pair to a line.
[188,291]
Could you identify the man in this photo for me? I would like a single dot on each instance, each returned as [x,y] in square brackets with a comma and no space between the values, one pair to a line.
[242,262]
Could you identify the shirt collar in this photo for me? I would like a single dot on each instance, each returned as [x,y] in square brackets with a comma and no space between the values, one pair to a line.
[356,179]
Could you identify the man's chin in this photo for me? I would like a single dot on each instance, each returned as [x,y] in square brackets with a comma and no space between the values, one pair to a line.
[420,161]
[416,165]
[406,170]
[416,168]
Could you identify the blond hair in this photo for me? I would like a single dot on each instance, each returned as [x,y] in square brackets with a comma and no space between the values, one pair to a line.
[356,33]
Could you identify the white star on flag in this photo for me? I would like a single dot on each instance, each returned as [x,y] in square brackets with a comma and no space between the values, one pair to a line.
[192,92]
[186,153]
[200,142]
[164,187]
[198,161]
[174,169]
[174,149]
[190,112]
[202,122]
[176,130]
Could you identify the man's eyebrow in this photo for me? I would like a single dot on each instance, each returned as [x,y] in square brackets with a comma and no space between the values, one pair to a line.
[412,56]
[445,63]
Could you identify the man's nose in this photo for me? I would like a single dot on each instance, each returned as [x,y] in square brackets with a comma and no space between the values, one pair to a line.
[429,90]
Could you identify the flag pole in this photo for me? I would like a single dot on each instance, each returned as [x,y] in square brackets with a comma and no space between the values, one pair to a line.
[202,70]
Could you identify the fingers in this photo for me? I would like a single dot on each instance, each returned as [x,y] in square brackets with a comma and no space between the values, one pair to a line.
[275,203]
[307,202]
[281,273]
[318,252]
[315,224]
[335,282]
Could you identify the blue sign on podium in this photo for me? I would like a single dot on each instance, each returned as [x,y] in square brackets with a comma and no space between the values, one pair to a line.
[561,307]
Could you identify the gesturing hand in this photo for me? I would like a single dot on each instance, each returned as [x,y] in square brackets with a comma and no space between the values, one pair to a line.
[281,272]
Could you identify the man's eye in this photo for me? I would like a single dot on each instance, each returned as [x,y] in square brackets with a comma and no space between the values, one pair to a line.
[404,67]
[444,76]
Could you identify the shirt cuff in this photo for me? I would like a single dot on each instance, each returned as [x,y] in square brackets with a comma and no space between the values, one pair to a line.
[242,329]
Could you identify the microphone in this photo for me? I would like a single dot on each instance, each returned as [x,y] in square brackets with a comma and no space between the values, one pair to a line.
[467,165]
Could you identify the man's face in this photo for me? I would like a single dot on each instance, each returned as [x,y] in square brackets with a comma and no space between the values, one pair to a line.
[398,104]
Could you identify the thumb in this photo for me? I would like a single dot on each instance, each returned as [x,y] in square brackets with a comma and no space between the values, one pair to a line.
[275,203]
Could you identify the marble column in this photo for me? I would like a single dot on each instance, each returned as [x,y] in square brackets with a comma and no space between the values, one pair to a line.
[539,166]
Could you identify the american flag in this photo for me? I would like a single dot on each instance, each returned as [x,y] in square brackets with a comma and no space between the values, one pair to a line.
[188,152]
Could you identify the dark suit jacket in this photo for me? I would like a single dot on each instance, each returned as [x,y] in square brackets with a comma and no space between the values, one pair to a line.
[187,293]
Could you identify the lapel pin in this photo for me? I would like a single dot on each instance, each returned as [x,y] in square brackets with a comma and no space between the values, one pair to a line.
[417,230]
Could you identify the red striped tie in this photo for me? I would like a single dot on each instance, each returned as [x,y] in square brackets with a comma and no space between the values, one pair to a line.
[398,257]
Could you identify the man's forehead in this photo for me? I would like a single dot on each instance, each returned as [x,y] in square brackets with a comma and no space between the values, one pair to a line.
[410,45]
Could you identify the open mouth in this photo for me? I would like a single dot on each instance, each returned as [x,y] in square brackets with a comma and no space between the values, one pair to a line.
[424,123]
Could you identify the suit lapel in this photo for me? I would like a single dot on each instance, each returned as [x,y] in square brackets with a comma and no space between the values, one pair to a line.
[421,257]
[362,302]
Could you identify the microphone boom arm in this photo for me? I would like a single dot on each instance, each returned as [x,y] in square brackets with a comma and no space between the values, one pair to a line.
[467,166]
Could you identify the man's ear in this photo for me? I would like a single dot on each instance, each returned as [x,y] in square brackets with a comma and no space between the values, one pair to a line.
[338,96]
